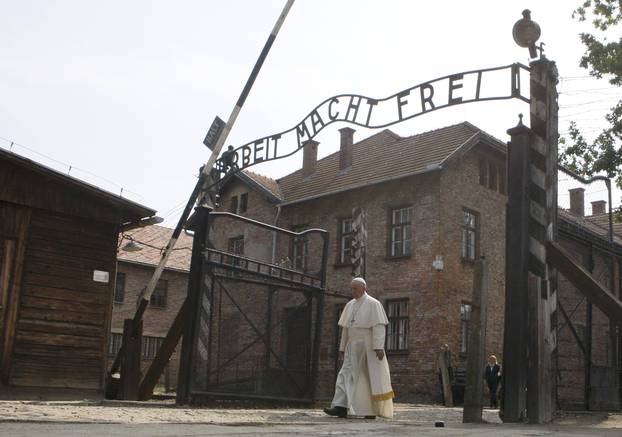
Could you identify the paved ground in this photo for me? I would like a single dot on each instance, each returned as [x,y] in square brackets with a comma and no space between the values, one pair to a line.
[52,419]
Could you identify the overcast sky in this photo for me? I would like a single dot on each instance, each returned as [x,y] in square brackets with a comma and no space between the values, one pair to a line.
[124,91]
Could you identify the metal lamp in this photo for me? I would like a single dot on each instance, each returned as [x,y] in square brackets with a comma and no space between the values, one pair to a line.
[526,32]
[131,246]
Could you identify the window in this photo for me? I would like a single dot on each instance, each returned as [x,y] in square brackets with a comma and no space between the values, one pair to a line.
[158,298]
[483,172]
[233,207]
[243,203]
[492,176]
[300,249]
[346,235]
[151,346]
[401,232]
[465,316]
[115,344]
[236,245]
[119,288]
[397,330]
[469,235]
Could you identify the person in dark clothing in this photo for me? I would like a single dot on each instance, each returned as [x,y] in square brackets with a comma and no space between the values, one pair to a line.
[492,375]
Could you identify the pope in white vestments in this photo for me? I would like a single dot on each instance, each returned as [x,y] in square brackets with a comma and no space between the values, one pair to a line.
[363,386]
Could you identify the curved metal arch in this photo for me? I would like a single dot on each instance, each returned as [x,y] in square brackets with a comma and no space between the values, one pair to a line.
[266,148]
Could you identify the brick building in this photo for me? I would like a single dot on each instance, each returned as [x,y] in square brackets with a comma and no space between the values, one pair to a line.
[134,269]
[434,202]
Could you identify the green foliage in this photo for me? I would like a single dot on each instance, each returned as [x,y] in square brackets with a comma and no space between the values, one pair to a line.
[603,58]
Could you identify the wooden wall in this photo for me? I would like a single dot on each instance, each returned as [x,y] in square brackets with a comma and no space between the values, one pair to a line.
[60,332]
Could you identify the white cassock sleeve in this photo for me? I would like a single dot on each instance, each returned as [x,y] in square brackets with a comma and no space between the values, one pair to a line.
[344,339]
[378,334]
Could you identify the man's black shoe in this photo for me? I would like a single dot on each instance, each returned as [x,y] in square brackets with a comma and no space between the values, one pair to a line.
[336,411]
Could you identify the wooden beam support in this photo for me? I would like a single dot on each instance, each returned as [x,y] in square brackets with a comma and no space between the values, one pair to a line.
[585,283]
[473,392]
[130,370]
[163,356]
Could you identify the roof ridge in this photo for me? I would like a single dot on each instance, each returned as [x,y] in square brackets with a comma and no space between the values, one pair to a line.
[466,123]
[387,131]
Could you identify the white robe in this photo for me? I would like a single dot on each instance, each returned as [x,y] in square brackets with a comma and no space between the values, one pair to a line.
[364,383]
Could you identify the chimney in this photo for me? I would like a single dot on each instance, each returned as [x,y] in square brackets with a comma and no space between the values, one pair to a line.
[577,206]
[599,207]
[309,157]
[345,150]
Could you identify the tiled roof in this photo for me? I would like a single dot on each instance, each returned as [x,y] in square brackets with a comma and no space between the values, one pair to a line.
[379,158]
[265,182]
[152,239]
[602,220]
[588,225]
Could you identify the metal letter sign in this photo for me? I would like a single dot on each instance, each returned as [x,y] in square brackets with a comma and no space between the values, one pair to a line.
[364,111]
[213,133]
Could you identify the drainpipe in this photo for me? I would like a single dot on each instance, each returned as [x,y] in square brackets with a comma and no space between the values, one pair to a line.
[276,221]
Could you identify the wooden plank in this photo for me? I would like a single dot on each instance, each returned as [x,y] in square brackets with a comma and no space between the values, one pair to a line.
[79,226]
[24,379]
[25,348]
[584,282]
[22,219]
[58,340]
[51,367]
[72,233]
[61,273]
[56,316]
[86,285]
[98,299]
[6,269]
[68,363]
[74,261]
[443,365]
[54,327]
[63,248]
[62,305]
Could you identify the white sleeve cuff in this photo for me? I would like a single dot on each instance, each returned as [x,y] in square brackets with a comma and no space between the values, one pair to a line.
[378,336]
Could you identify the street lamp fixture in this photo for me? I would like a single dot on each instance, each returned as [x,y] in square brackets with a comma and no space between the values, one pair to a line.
[526,32]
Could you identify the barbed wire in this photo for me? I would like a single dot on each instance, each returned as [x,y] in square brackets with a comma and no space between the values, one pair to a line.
[70,167]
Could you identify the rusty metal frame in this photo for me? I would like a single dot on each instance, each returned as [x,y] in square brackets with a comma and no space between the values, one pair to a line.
[215,266]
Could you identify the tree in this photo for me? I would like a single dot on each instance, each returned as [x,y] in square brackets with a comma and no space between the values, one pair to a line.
[602,58]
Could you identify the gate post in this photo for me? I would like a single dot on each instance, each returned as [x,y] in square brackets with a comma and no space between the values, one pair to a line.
[514,375]
[130,370]
[193,300]
[542,287]
[531,283]
[473,391]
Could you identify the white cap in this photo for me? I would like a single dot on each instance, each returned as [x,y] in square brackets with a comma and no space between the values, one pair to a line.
[361,281]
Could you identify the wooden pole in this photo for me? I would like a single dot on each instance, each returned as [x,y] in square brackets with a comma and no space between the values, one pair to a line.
[130,372]
[443,365]
[473,392]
